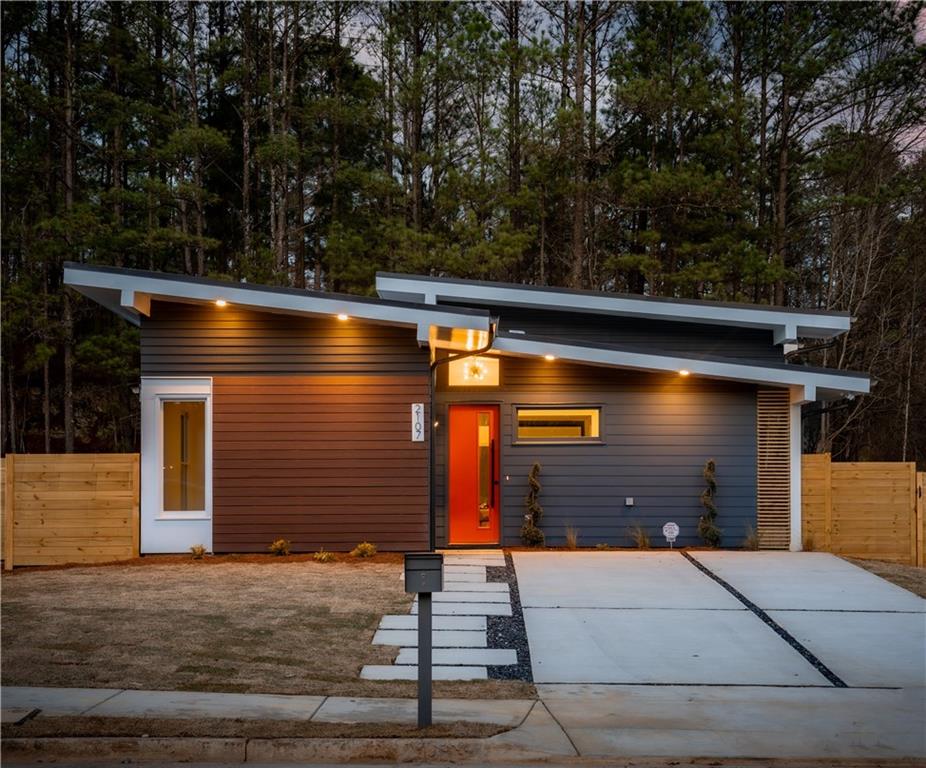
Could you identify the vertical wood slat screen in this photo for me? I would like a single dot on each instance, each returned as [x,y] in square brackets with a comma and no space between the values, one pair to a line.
[773,470]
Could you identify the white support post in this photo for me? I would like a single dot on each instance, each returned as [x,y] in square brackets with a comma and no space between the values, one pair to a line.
[796,534]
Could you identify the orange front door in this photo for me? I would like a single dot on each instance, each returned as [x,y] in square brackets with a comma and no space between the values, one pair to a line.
[473,474]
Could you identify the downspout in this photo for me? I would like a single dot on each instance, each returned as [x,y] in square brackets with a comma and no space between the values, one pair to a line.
[432,387]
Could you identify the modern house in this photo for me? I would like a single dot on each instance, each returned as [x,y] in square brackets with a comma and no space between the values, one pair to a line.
[412,420]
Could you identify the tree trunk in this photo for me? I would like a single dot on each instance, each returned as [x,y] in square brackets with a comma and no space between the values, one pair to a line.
[417,119]
[70,184]
[781,192]
[578,210]
[591,161]
[247,118]
[198,205]
[513,23]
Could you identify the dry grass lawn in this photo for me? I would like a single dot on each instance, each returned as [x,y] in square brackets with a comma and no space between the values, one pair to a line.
[47,727]
[249,624]
[909,577]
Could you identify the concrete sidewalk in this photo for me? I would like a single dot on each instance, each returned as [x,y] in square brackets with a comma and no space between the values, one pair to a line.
[569,721]
[17,702]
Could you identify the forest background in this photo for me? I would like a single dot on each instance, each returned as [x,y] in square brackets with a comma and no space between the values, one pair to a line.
[765,152]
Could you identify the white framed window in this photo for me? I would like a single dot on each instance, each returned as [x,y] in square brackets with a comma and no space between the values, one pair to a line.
[176,464]
[557,424]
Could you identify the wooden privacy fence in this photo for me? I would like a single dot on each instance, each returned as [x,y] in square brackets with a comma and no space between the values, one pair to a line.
[69,508]
[867,509]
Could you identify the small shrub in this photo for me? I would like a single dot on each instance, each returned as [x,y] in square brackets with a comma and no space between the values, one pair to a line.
[531,534]
[751,541]
[807,544]
[639,536]
[603,546]
[197,551]
[707,528]
[364,549]
[572,537]
[322,556]
[280,547]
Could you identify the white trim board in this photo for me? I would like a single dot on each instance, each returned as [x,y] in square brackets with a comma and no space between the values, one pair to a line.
[172,532]
[786,325]
[806,384]
[129,294]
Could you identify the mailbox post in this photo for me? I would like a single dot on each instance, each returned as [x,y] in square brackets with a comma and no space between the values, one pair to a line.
[424,574]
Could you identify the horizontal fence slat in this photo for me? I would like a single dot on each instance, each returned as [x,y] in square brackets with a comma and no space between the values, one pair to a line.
[80,508]
[864,509]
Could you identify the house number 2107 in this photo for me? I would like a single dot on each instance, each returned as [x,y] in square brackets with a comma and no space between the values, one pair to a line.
[417,422]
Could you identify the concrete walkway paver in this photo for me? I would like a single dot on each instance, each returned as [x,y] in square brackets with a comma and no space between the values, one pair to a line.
[410,672]
[409,621]
[486,657]
[440,638]
[460,621]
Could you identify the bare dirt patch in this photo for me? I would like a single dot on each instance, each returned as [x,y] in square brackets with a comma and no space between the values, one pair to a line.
[52,727]
[270,625]
[910,577]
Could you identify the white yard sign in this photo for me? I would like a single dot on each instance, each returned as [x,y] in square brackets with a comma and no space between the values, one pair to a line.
[417,422]
[670,531]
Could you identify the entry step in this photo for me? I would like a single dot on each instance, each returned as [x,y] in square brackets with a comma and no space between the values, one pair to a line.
[410,672]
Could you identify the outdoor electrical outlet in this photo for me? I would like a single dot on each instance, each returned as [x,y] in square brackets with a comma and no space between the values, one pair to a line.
[628,502]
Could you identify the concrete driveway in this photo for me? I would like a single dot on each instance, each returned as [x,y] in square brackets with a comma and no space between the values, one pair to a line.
[753,654]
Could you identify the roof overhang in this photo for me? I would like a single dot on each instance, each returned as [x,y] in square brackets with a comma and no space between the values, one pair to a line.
[129,294]
[786,325]
[805,385]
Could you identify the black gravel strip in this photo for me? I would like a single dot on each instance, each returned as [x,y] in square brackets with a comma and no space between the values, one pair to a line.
[774,625]
[508,631]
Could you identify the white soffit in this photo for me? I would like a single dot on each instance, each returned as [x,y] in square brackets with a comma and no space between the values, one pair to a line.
[806,385]
[785,325]
[129,293]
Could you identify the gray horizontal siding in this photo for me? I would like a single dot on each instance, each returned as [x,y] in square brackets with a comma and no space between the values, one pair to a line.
[645,335]
[657,432]
[184,340]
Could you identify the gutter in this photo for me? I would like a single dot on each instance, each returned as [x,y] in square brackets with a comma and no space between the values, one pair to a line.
[432,386]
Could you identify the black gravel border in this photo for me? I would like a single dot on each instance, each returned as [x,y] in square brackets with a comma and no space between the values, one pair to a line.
[508,631]
[824,670]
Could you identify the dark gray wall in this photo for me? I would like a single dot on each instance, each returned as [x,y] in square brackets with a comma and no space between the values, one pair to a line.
[191,340]
[645,335]
[657,430]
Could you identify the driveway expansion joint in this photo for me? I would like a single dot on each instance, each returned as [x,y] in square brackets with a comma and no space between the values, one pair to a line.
[837,681]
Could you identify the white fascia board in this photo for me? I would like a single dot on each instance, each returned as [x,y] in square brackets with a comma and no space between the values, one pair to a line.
[131,287]
[139,302]
[786,326]
[805,382]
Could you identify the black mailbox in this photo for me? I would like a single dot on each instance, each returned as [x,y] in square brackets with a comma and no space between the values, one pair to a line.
[424,572]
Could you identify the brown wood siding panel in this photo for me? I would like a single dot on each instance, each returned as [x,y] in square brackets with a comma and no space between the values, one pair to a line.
[324,461]
[195,340]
